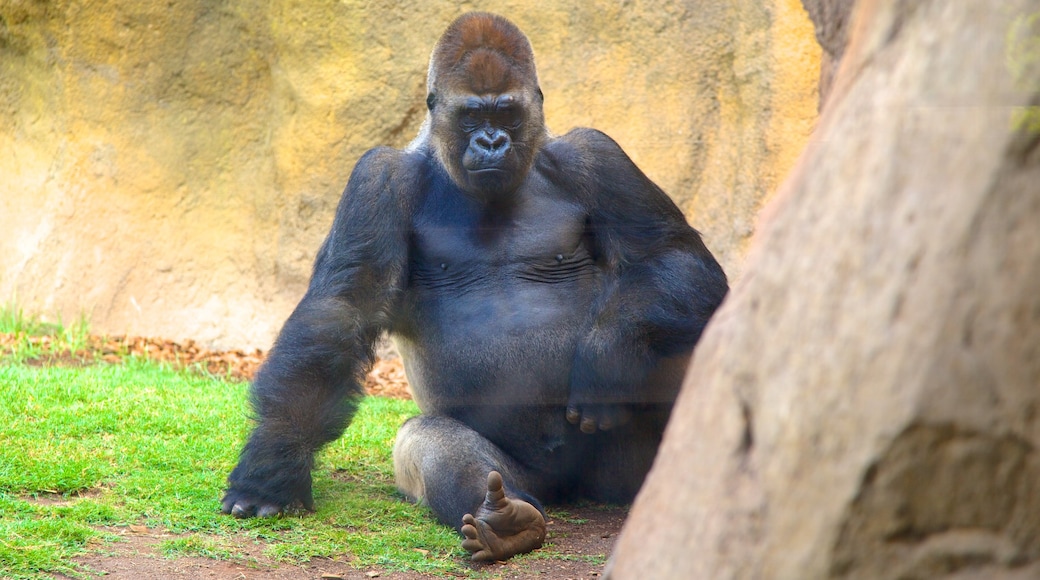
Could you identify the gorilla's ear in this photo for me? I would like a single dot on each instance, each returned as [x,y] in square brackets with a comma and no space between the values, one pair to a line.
[431,100]
[541,97]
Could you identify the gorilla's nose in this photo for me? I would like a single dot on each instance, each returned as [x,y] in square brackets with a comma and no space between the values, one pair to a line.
[493,141]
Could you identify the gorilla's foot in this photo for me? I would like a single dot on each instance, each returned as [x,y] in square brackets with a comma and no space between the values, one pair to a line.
[502,527]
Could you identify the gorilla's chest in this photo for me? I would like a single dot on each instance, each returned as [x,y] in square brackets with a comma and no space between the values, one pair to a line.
[455,237]
[494,303]
[538,247]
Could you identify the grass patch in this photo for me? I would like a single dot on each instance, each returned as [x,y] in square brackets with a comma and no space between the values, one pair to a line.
[96,448]
[29,336]
[139,443]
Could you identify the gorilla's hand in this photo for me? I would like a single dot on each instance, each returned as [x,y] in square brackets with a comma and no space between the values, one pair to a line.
[594,418]
[246,505]
[267,481]
[242,505]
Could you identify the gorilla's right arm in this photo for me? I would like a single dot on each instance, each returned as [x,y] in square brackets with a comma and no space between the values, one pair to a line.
[307,390]
[662,285]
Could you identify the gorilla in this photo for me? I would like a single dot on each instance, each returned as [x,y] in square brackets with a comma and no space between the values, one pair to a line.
[544,294]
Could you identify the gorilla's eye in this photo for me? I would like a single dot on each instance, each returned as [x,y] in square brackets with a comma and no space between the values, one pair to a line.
[508,118]
[471,119]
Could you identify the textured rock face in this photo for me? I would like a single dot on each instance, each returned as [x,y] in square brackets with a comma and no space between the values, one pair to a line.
[831,18]
[170,169]
[866,404]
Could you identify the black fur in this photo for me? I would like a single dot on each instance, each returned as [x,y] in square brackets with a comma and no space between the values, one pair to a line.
[545,312]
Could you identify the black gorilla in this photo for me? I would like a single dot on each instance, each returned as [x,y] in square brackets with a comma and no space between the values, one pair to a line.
[544,293]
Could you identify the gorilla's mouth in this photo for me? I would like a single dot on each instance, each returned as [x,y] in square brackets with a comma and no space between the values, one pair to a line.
[490,182]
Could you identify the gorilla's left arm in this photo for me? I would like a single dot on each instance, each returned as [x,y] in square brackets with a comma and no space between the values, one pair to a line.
[662,285]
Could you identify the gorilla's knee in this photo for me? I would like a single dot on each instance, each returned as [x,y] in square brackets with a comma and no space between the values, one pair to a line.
[407,455]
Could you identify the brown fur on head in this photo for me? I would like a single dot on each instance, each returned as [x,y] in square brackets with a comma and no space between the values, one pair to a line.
[486,58]
[483,53]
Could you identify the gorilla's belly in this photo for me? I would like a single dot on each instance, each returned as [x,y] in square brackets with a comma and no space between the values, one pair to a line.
[500,342]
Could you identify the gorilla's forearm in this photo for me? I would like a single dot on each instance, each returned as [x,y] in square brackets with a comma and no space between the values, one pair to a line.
[323,348]
[304,396]
[655,310]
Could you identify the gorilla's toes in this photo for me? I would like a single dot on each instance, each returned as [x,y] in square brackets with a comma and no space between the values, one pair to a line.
[502,527]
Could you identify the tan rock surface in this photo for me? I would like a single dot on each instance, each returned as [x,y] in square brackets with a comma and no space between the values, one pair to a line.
[866,404]
[831,20]
[171,168]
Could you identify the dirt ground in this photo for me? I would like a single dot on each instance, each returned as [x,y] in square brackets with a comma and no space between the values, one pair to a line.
[138,556]
[584,538]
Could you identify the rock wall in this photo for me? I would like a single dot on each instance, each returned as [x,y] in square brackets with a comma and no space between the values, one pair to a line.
[171,168]
[831,18]
[866,403]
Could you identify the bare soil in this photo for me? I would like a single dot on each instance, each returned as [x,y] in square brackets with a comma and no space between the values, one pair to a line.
[587,533]
[579,539]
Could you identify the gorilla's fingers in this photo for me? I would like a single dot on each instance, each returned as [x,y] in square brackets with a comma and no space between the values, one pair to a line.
[588,424]
[584,417]
[594,418]
[268,511]
[307,499]
[246,507]
[573,415]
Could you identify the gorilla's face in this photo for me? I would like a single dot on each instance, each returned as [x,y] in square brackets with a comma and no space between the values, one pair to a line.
[487,142]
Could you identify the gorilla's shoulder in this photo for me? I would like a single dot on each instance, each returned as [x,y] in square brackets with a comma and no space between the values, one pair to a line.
[394,162]
[389,170]
[585,156]
[583,149]
[384,182]
[586,140]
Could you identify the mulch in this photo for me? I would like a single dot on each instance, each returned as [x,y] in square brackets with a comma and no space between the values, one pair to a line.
[386,377]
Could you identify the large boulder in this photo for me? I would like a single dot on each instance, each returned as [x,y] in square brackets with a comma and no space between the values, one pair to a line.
[831,18]
[171,168]
[866,403]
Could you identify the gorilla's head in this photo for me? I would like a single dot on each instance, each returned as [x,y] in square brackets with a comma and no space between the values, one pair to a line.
[485,106]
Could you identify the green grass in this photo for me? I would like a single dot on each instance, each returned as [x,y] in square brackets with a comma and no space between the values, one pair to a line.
[86,451]
[27,329]
[94,448]
[89,450]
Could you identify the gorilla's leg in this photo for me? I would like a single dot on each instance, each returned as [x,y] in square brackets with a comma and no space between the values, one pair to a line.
[470,484]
